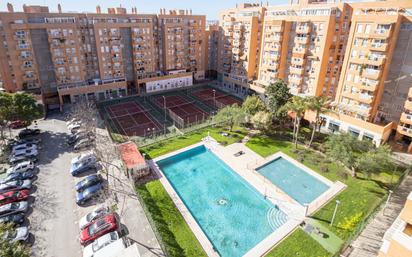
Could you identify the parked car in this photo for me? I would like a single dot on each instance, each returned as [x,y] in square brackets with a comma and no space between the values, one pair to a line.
[73,125]
[88,193]
[28,133]
[15,185]
[83,165]
[84,156]
[27,152]
[20,234]
[112,249]
[17,124]
[93,215]
[23,155]
[73,139]
[14,160]
[83,143]
[29,174]
[74,128]
[98,228]
[100,243]
[87,182]
[73,120]
[13,208]
[21,167]
[32,140]
[13,196]
[13,218]
[23,146]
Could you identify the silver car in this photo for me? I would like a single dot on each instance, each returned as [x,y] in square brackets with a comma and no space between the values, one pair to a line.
[21,167]
[12,208]
[20,234]
[15,185]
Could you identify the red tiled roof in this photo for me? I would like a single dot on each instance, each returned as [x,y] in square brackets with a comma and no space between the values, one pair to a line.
[130,155]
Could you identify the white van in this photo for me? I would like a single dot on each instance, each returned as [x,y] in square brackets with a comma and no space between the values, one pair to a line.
[112,249]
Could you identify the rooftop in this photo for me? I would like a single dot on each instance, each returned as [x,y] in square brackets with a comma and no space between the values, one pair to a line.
[131,156]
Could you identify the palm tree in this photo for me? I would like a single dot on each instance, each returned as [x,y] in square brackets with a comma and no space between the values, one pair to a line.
[319,105]
[298,106]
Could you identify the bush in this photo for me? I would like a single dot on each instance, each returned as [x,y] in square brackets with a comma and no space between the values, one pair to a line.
[324,168]
[223,142]
[342,174]
[301,158]
[351,222]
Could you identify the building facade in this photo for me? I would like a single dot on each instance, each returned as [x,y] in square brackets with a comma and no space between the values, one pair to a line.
[63,57]
[397,240]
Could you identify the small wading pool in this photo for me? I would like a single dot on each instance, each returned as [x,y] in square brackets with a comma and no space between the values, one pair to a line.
[294,181]
[232,214]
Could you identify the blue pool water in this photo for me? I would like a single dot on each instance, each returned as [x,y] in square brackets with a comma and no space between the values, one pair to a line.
[297,183]
[232,214]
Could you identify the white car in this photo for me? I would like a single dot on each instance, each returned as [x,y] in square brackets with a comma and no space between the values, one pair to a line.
[20,234]
[93,215]
[23,147]
[73,125]
[15,185]
[100,243]
[83,157]
[71,121]
[13,208]
[83,143]
[27,152]
[21,167]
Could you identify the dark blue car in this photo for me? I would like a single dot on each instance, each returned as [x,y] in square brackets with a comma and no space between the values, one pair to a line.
[13,218]
[87,182]
[28,174]
[88,193]
[83,166]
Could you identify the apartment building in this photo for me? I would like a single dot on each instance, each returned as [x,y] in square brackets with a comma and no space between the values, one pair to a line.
[212,37]
[239,46]
[304,45]
[397,240]
[64,57]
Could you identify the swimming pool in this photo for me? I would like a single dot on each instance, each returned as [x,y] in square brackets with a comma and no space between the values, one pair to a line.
[231,213]
[294,181]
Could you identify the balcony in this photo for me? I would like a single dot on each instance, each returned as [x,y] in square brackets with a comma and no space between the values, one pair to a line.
[297,61]
[374,60]
[297,71]
[271,65]
[301,40]
[381,33]
[406,118]
[379,47]
[295,79]
[273,47]
[275,29]
[274,57]
[404,131]
[299,50]
[371,74]
[303,29]
[236,50]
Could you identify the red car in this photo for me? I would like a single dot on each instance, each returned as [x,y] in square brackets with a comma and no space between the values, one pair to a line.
[98,228]
[18,124]
[13,196]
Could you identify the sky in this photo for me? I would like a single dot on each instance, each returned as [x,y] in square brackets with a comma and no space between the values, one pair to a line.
[210,8]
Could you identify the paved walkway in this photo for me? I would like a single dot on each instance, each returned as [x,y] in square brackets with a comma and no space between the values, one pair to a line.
[370,240]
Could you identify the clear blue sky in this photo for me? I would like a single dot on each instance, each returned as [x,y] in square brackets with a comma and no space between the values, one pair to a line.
[210,8]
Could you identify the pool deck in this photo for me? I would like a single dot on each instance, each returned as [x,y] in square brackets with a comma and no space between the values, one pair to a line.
[245,165]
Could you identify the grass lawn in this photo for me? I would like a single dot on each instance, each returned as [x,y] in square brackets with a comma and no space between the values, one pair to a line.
[358,200]
[176,234]
[161,148]
[299,244]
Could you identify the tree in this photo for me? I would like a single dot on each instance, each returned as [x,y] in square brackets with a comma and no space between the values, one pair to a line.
[374,160]
[252,105]
[231,115]
[319,105]
[6,111]
[262,120]
[278,95]
[297,105]
[8,249]
[26,107]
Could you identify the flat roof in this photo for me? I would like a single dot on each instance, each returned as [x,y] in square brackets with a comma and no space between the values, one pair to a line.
[131,156]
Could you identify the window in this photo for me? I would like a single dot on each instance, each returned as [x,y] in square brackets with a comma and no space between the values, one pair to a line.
[367,28]
[359,29]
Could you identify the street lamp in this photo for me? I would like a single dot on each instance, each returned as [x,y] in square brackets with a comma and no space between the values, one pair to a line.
[334,212]
[214,98]
[164,105]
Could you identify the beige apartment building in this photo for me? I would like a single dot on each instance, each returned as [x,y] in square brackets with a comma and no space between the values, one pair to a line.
[63,57]
[239,46]
[358,54]
[397,240]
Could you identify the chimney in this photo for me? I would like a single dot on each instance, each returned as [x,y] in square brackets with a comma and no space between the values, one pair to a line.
[10,7]
[59,8]
[161,11]
[98,9]
[186,12]
[190,12]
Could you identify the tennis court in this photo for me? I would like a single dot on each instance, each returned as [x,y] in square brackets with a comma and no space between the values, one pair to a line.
[182,112]
[131,119]
[214,98]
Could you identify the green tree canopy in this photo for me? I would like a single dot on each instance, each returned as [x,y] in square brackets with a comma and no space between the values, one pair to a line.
[262,120]
[6,110]
[231,115]
[8,249]
[297,105]
[375,160]
[252,105]
[278,95]
[319,105]
[26,107]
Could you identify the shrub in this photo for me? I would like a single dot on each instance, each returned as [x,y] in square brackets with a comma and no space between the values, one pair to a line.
[301,158]
[342,174]
[350,223]
[324,168]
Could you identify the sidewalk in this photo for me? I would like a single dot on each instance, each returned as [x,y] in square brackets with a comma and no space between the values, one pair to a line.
[370,240]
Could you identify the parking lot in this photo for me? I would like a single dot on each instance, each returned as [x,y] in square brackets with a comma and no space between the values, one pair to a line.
[54,215]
